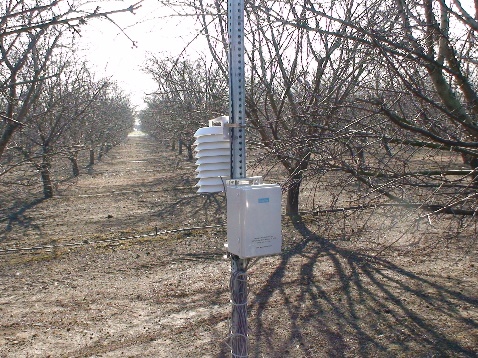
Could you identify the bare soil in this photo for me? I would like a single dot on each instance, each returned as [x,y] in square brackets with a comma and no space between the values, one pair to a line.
[341,288]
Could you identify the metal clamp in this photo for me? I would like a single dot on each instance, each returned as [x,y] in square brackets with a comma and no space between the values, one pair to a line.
[256,180]
[224,122]
[235,125]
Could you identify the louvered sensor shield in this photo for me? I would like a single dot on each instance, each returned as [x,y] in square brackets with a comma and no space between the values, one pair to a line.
[213,153]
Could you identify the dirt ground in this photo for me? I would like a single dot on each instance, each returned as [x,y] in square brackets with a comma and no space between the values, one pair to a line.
[105,285]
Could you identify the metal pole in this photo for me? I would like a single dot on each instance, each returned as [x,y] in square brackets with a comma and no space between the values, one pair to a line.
[237,113]
[238,283]
[239,340]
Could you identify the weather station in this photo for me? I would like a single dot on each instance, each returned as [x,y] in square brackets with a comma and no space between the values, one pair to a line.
[253,207]
[253,214]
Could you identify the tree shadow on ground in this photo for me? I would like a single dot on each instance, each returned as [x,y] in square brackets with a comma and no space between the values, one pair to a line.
[16,215]
[210,207]
[337,302]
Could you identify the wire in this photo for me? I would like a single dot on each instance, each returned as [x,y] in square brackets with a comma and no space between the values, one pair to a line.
[223,183]
[111,241]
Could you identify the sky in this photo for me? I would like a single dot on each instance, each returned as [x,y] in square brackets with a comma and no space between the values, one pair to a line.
[155,30]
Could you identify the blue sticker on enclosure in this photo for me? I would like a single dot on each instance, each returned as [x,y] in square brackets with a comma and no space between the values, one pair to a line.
[263,200]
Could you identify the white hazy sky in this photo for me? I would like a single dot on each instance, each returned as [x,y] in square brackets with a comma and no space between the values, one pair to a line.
[154,31]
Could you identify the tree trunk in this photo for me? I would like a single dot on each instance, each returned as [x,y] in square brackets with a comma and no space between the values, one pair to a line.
[189,147]
[361,157]
[92,157]
[180,147]
[7,135]
[473,163]
[74,165]
[46,178]
[293,190]
[101,151]
[292,199]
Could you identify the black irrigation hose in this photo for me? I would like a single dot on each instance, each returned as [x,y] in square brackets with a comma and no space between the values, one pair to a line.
[85,242]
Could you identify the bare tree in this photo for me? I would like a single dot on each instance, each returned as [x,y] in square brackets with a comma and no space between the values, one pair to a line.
[189,93]
[420,96]
[70,110]
[368,89]
[110,119]
[24,25]
[297,81]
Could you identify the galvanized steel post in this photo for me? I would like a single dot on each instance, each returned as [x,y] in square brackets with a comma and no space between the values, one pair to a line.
[237,113]
[237,121]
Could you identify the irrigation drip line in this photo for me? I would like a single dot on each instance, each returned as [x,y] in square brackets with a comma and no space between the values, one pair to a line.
[111,241]
[425,207]
[117,241]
